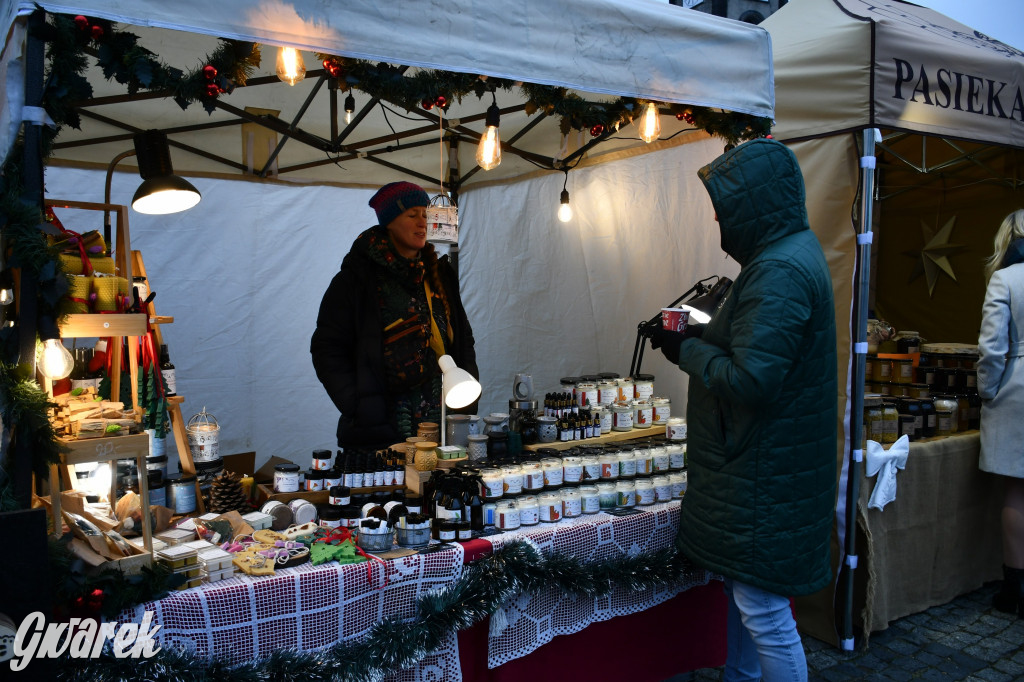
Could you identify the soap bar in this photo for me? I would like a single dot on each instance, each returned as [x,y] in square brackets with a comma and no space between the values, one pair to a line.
[198,545]
[176,536]
[177,557]
[215,559]
[258,520]
[221,574]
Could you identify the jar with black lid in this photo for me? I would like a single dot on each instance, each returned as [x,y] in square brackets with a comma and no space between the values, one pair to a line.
[928,421]
[330,515]
[912,408]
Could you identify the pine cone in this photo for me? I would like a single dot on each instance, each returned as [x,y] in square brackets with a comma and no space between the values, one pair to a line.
[226,494]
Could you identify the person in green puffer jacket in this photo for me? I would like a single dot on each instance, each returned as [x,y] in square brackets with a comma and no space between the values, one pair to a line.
[761,412]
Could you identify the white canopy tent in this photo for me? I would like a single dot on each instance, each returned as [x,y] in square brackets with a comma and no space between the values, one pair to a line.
[243,272]
[944,95]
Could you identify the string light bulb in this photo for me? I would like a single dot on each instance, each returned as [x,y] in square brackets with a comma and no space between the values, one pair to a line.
[649,123]
[55,360]
[488,153]
[564,208]
[290,67]
[6,296]
[350,108]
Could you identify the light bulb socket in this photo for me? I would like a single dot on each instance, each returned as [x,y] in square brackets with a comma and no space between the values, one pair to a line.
[153,154]
[350,104]
[564,199]
[493,116]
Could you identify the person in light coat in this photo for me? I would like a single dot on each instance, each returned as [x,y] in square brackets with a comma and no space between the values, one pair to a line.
[1001,387]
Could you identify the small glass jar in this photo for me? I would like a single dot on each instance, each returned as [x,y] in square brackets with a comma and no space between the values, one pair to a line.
[494,483]
[606,393]
[550,507]
[905,427]
[946,416]
[607,496]
[506,515]
[572,469]
[591,468]
[662,488]
[920,391]
[624,391]
[659,459]
[644,461]
[340,495]
[643,414]
[314,480]
[675,429]
[286,478]
[330,516]
[963,412]
[448,531]
[627,465]
[890,421]
[903,371]
[662,410]
[572,503]
[873,418]
[513,478]
[622,417]
[881,370]
[928,420]
[605,416]
[644,489]
[321,460]
[529,510]
[586,394]
[609,466]
[678,482]
[552,472]
[625,494]
[643,386]
[590,499]
[676,456]
[533,477]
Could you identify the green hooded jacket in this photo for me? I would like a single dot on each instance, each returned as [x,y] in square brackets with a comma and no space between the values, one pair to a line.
[761,410]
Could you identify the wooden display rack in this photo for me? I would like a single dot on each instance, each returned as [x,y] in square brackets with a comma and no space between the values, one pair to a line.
[655,431]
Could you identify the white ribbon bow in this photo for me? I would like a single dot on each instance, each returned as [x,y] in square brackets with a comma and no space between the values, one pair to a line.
[887,462]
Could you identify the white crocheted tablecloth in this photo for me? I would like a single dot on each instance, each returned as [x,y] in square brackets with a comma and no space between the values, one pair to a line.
[532,620]
[306,608]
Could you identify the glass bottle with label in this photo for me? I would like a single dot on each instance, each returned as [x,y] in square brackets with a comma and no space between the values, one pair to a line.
[167,371]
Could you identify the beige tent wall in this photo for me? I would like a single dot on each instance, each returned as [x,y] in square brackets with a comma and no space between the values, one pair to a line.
[830,168]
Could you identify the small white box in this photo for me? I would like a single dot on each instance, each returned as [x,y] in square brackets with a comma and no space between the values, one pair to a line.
[258,520]
[176,536]
[215,559]
[222,574]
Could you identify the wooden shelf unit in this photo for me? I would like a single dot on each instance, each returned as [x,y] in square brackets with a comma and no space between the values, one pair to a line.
[655,431]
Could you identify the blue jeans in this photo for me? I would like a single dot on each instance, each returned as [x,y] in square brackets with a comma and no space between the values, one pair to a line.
[762,639]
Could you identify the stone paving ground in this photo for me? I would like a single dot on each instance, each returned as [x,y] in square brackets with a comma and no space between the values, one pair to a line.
[966,639]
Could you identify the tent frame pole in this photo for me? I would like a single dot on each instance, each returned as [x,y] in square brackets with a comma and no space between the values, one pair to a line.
[860,349]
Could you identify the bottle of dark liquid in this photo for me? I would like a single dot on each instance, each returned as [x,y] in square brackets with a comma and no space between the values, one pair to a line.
[474,505]
[167,371]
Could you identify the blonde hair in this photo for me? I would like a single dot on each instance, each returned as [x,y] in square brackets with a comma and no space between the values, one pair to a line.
[1011,229]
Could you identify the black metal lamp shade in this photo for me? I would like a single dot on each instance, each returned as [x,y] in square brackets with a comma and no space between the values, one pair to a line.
[161,190]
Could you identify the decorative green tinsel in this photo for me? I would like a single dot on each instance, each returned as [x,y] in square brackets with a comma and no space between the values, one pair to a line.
[393,644]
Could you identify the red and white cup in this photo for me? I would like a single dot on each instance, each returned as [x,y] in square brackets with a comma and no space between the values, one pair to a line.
[674,319]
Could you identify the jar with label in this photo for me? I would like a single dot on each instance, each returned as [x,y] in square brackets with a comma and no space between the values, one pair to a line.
[286,478]
[625,393]
[945,415]
[321,460]
[552,472]
[533,477]
[550,507]
[676,456]
[506,515]
[678,482]
[881,369]
[303,511]
[494,483]
[622,417]
[903,371]
[607,391]
[924,374]
[572,503]
[339,495]
[644,492]
[627,464]
[659,458]
[607,496]
[330,516]
[280,514]
[675,429]
[928,421]
[314,480]
[644,459]
[643,387]
[350,517]
[586,394]
[662,488]
[643,414]
[590,499]
[333,478]
[604,418]
[513,477]
[572,469]
[448,531]
[899,390]
[625,494]
[912,408]
[591,468]
[568,385]
[662,410]
[869,367]
[890,421]
[873,427]
[609,466]
[181,492]
[529,510]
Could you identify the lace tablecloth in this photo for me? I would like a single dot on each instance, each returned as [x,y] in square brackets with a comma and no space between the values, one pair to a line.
[305,608]
[532,620]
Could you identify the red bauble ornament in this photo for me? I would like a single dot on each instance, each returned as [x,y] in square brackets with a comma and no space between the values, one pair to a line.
[769,137]
[97,32]
[680,116]
[81,22]
[427,104]
[441,101]
[688,117]
[212,89]
[597,130]
[209,72]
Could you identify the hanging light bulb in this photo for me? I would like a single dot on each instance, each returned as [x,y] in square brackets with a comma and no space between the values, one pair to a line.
[564,208]
[350,107]
[290,67]
[488,153]
[55,361]
[6,296]
[649,123]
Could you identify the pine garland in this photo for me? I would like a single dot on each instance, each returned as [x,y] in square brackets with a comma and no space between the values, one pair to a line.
[393,644]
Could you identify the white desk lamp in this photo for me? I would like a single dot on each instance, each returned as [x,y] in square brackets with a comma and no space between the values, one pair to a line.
[458,389]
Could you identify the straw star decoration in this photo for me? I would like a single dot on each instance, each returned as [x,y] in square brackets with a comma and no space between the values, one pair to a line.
[934,257]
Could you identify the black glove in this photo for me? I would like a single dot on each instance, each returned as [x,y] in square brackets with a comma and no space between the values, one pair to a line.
[668,342]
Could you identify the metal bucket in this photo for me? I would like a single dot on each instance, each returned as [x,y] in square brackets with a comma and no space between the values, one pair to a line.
[203,434]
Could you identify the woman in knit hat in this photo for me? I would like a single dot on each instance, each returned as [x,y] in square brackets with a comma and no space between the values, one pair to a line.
[391,311]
